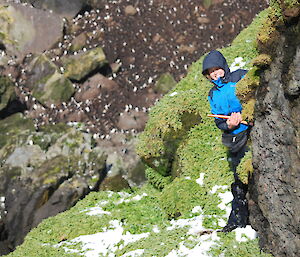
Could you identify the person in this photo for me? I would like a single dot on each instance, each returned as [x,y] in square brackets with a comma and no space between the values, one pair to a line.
[223,101]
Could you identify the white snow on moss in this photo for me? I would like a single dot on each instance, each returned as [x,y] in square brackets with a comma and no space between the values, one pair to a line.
[126,199]
[174,93]
[238,63]
[245,234]
[105,243]
[200,180]
[200,250]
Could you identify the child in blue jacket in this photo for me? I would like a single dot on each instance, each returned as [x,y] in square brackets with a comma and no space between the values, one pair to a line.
[223,101]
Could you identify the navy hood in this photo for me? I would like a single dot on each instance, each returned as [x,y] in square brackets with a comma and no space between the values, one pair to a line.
[216,59]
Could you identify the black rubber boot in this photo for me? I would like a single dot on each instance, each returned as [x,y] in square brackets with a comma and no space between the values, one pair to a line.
[239,216]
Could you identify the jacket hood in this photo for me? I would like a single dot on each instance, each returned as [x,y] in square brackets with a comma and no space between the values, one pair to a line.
[216,59]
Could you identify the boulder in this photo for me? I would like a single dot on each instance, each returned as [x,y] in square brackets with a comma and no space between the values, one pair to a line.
[165,83]
[78,42]
[28,30]
[63,8]
[47,85]
[77,67]
[93,86]
[7,92]
[132,120]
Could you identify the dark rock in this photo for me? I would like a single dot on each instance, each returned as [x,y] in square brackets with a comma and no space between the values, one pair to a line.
[274,186]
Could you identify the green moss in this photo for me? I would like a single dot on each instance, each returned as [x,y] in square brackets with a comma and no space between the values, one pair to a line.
[229,247]
[179,198]
[245,91]
[262,61]
[245,168]
[156,179]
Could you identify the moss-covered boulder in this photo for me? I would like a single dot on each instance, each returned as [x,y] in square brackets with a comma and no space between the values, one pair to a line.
[7,92]
[79,66]
[47,84]
[165,83]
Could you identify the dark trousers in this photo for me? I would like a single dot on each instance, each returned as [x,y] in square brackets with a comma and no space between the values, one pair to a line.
[239,215]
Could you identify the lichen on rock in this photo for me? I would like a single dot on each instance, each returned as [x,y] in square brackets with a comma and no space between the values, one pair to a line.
[79,66]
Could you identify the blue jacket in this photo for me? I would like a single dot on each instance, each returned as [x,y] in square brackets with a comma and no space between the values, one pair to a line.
[222,97]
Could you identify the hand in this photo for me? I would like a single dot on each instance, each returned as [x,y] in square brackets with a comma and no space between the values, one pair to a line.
[234,120]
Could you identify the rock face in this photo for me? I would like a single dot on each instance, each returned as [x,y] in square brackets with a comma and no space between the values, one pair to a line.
[275,185]
[28,30]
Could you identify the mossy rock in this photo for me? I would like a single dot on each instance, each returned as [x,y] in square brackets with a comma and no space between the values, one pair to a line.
[14,125]
[48,86]
[165,83]
[262,61]
[79,66]
[245,168]
[51,171]
[7,92]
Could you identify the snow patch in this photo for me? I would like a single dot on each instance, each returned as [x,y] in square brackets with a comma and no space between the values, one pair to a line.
[96,211]
[104,243]
[200,250]
[216,187]
[238,63]
[197,209]
[200,180]
[245,234]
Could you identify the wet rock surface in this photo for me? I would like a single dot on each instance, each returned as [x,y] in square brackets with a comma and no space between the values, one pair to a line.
[274,188]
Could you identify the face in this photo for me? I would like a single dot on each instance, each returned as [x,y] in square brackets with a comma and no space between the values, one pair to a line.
[216,72]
